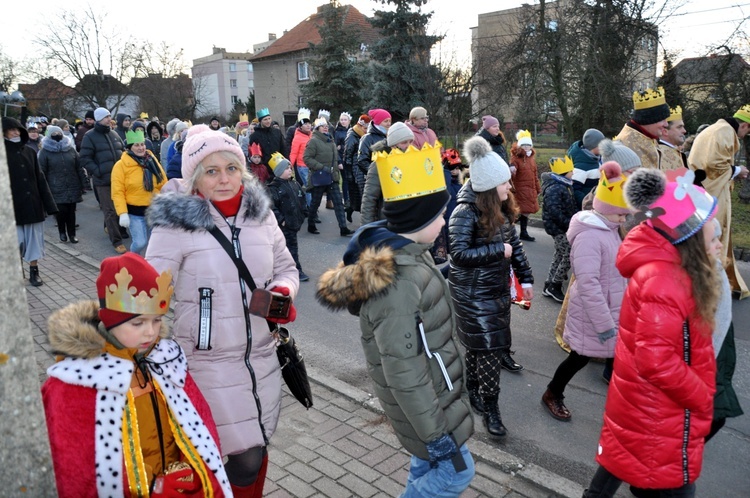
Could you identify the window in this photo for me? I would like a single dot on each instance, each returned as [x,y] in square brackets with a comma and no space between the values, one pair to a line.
[235,99]
[232,83]
[303,72]
[300,101]
[250,84]
[233,66]
[249,67]
[552,25]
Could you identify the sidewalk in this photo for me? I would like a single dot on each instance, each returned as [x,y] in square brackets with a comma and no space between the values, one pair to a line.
[342,447]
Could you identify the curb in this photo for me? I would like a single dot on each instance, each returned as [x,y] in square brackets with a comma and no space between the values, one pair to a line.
[481,451]
[555,484]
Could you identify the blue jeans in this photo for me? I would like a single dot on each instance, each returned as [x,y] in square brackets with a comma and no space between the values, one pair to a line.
[140,233]
[303,172]
[442,481]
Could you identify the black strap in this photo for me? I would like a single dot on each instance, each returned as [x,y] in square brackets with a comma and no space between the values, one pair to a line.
[241,266]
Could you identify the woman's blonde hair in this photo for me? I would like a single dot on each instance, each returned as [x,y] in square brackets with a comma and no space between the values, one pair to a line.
[199,171]
[702,272]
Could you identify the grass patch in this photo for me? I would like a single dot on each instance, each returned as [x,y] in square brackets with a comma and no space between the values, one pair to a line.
[544,155]
[740,220]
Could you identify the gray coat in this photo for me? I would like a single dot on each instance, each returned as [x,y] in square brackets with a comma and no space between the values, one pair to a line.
[60,164]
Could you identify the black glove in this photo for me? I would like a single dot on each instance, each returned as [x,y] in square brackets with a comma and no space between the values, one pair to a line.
[442,448]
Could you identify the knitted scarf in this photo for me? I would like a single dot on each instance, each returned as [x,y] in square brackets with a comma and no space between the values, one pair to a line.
[150,170]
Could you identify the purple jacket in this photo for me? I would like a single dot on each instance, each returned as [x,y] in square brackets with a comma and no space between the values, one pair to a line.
[597,292]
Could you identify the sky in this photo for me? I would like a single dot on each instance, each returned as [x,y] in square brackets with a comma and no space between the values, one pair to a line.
[236,26]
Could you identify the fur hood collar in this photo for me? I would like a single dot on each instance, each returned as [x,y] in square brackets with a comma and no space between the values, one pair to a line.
[73,330]
[348,286]
[369,266]
[181,210]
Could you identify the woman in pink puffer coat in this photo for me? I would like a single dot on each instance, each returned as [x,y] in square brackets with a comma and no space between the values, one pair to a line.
[231,354]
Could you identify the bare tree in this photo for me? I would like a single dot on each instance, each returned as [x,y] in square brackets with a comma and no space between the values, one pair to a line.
[573,61]
[8,70]
[81,48]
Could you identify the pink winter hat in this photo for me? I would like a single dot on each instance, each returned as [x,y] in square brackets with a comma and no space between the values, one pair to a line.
[201,142]
[489,121]
[379,115]
[677,210]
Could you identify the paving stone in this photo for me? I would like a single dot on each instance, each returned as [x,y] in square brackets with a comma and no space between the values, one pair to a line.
[391,465]
[361,470]
[336,412]
[300,453]
[377,455]
[368,442]
[303,471]
[358,486]
[488,487]
[331,489]
[328,468]
[296,487]
[333,454]
[350,448]
[388,486]
[336,433]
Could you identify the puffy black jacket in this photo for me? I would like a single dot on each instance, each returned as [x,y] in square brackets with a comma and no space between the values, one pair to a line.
[100,150]
[289,203]
[351,150]
[480,275]
[62,169]
[364,153]
[559,204]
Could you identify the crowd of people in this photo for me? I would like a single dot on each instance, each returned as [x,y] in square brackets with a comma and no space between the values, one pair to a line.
[431,273]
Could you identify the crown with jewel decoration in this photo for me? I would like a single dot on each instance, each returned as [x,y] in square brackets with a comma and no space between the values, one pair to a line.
[560,166]
[414,173]
[649,98]
[122,297]
[243,117]
[675,114]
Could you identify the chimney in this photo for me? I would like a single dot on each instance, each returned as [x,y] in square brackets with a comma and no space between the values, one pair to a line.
[218,50]
[271,36]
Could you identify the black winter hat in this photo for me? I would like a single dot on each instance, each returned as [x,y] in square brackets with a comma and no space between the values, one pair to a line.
[412,215]
[14,124]
[89,114]
[651,115]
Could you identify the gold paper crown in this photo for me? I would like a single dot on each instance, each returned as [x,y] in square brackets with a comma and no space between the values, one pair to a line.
[610,191]
[561,166]
[243,117]
[649,98]
[675,114]
[123,298]
[414,173]
[523,134]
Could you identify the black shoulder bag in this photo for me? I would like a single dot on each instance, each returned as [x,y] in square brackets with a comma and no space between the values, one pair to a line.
[291,360]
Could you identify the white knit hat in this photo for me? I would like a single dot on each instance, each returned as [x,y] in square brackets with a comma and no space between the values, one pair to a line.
[486,168]
[101,113]
[398,133]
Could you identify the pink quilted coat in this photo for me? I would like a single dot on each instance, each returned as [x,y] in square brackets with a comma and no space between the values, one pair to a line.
[180,242]
[597,292]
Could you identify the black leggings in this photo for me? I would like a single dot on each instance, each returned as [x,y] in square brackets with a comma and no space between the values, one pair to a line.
[66,218]
[605,485]
[243,468]
[567,369]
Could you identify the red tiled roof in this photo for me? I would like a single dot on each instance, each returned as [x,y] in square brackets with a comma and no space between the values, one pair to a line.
[299,37]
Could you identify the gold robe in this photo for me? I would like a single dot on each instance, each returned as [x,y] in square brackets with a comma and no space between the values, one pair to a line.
[713,151]
[646,148]
[671,158]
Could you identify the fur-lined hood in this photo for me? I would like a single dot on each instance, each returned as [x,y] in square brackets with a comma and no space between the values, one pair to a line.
[348,286]
[73,330]
[182,210]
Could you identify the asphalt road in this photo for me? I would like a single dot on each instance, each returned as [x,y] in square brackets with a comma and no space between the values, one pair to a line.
[330,341]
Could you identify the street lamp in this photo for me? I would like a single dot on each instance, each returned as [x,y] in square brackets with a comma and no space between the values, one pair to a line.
[15,99]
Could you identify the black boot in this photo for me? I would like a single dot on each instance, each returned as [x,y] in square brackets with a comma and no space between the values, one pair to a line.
[34,278]
[312,228]
[492,421]
[524,234]
[477,404]
[509,364]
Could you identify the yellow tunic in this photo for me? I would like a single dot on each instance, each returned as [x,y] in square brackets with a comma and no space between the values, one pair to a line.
[713,151]
[671,158]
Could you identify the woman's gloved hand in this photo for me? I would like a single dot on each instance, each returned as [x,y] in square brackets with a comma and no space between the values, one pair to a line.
[284,291]
[124,220]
